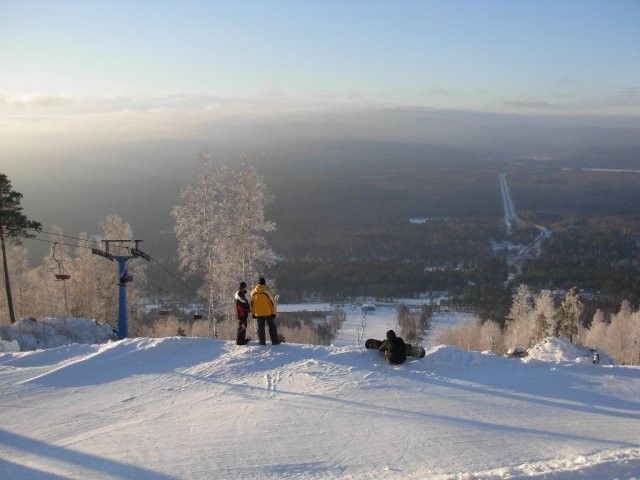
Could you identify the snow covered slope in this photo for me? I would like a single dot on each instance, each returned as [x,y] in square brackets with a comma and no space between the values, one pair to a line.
[203,409]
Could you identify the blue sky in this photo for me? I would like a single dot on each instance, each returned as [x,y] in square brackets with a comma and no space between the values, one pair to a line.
[564,56]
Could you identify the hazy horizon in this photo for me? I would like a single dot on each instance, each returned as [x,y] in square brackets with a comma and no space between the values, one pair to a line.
[123,70]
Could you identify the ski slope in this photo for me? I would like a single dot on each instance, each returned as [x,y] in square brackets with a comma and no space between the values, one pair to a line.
[197,408]
[510,215]
[357,326]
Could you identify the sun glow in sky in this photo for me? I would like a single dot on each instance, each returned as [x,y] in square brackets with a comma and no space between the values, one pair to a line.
[69,64]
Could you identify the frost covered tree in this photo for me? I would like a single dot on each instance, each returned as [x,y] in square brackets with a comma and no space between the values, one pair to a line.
[91,276]
[220,226]
[622,335]
[249,225]
[596,333]
[568,315]
[518,320]
[203,231]
[619,338]
[14,226]
[248,247]
[543,315]
[22,289]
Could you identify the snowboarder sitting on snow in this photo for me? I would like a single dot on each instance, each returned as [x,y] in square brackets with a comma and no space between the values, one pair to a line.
[242,309]
[263,308]
[393,349]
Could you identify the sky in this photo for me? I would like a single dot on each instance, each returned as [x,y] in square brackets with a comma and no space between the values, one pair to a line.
[122,65]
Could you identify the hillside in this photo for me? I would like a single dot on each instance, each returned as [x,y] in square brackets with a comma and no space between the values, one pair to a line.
[202,408]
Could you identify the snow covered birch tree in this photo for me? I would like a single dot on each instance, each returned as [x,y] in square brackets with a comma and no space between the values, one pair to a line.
[568,315]
[249,197]
[519,317]
[202,227]
[543,314]
[220,227]
[594,337]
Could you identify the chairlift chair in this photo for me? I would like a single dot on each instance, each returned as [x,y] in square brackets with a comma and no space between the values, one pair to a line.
[60,274]
[163,311]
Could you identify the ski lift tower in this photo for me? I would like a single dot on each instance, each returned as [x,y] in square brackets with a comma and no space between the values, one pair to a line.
[123,276]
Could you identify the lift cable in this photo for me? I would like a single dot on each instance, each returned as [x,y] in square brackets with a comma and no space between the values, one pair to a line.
[176,277]
[70,236]
[58,243]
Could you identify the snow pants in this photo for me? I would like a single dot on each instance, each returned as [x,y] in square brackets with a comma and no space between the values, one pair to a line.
[273,331]
[241,336]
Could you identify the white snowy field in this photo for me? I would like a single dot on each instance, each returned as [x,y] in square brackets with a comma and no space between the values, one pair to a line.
[198,408]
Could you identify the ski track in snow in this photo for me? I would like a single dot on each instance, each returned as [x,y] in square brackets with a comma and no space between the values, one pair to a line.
[201,408]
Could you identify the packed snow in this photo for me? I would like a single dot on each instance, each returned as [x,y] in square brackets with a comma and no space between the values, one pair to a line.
[558,350]
[199,408]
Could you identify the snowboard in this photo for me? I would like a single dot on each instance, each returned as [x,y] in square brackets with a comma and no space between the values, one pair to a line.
[411,350]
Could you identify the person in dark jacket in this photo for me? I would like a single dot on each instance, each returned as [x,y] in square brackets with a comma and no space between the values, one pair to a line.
[242,309]
[393,349]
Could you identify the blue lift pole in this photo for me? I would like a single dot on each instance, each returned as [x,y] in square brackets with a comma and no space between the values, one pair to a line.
[123,327]
[123,277]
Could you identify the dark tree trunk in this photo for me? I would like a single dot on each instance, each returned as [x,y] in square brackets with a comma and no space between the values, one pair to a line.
[12,315]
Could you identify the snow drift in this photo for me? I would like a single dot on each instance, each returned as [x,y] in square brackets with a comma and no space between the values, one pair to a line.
[559,350]
[51,332]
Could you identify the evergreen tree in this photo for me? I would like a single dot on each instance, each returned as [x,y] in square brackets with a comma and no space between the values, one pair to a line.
[15,226]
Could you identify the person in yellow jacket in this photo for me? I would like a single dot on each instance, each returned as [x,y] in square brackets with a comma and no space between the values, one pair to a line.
[263,309]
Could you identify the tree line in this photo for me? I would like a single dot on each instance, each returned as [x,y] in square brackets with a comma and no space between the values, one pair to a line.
[533,317]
